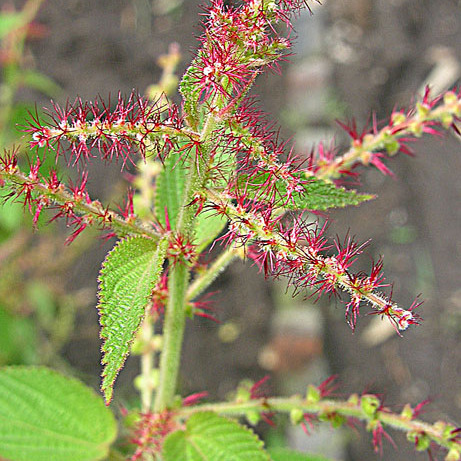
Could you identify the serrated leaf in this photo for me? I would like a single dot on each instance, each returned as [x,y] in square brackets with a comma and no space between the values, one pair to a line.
[169,190]
[318,195]
[285,454]
[126,280]
[45,416]
[209,437]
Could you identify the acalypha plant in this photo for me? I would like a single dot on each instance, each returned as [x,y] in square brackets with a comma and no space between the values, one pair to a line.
[223,180]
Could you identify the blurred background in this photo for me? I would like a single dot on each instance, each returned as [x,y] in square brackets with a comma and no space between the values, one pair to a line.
[351,57]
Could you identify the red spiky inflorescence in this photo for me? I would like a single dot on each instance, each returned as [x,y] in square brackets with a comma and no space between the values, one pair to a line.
[299,251]
[237,42]
[134,123]
[73,203]
[373,144]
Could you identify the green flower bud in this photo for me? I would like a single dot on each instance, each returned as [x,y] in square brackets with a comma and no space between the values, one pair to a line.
[313,394]
[370,404]
[407,412]
[296,416]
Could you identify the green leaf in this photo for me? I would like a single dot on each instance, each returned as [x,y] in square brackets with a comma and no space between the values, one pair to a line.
[209,437]
[318,195]
[284,454]
[169,190]
[127,278]
[208,228]
[45,416]
[10,22]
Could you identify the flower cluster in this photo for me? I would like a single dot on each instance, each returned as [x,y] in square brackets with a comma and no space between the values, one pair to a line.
[245,173]
[263,161]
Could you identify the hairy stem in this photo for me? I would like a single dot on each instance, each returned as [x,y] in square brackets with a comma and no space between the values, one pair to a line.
[204,280]
[173,332]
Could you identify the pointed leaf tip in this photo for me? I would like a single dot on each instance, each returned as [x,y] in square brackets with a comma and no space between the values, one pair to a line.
[126,280]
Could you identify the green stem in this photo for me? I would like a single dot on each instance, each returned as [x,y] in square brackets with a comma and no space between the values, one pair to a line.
[173,332]
[204,280]
[175,316]
[147,362]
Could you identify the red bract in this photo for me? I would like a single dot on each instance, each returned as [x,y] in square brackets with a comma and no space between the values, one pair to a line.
[378,434]
[150,432]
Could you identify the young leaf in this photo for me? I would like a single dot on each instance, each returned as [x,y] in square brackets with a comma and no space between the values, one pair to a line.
[318,195]
[45,416]
[209,437]
[284,454]
[169,190]
[127,278]
[208,228]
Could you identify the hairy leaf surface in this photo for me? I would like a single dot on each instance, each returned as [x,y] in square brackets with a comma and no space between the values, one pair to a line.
[169,190]
[169,194]
[127,278]
[209,437]
[317,194]
[45,416]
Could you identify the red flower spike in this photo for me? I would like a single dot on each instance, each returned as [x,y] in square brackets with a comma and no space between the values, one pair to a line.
[419,408]
[87,125]
[181,250]
[308,424]
[53,183]
[78,190]
[160,294]
[9,162]
[41,202]
[257,393]
[127,209]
